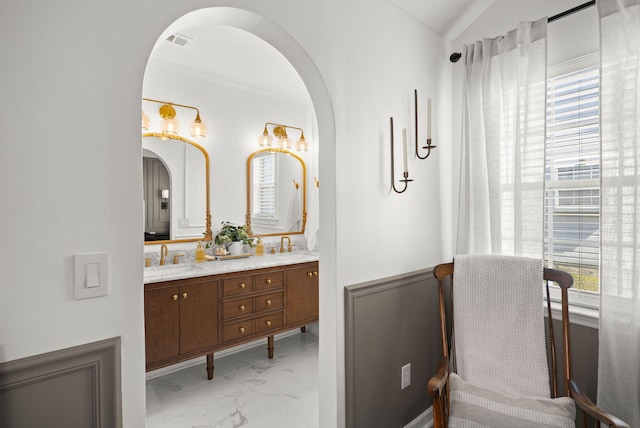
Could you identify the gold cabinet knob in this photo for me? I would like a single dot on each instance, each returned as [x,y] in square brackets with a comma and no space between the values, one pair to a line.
[309,274]
[268,281]
[242,330]
[242,307]
[268,323]
[243,285]
[175,297]
[184,295]
[315,273]
[269,302]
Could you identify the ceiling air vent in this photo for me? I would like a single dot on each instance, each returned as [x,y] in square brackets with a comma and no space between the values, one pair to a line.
[179,39]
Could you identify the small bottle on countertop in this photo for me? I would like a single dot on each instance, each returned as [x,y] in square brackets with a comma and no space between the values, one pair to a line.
[200,253]
[259,248]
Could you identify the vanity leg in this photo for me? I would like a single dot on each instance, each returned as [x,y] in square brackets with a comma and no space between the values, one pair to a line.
[209,366]
[303,328]
[270,346]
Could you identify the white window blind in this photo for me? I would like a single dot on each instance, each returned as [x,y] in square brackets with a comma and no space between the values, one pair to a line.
[264,186]
[572,179]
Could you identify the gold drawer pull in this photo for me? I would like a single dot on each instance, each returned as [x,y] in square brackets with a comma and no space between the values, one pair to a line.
[315,273]
[175,297]
[268,323]
[242,307]
[269,302]
[184,295]
[309,274]
[243,285]
[242,330]
[268,281]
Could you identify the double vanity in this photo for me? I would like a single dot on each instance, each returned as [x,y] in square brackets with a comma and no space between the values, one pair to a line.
[195,309]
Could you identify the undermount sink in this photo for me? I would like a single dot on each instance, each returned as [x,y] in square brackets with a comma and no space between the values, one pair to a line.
[168,270]
[292,256]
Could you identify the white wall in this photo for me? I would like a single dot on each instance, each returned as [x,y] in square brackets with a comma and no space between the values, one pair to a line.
[71,87]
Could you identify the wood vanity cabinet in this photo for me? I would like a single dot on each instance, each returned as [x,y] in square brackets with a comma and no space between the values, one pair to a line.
[192,317]
[180,320]
[302,295]
[253,306]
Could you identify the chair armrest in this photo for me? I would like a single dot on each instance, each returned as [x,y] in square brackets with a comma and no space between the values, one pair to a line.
[439,392]
[438,382]
[592,410]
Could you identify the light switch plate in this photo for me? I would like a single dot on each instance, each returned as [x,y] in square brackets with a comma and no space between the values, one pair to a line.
[91,275]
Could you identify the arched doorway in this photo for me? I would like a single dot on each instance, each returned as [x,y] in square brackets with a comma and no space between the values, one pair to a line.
[314,83]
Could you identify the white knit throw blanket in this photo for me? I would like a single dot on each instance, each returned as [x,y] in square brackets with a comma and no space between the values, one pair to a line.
[499,324]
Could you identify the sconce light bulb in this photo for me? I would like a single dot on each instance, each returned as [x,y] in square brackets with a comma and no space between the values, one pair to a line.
[198,129]
[301,144]
[285,143]
[145,121]
[265,140]
[170,126]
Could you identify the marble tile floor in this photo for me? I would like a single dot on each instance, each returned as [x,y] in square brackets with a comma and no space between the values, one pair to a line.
[248,390]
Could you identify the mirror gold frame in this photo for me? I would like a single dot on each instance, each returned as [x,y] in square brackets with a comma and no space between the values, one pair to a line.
[207,236]
[304,190]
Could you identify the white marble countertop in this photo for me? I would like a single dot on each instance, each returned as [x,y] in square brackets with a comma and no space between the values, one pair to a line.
[190,269]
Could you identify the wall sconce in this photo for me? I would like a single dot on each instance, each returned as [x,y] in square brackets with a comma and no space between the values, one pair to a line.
[165,196]
[283,141]
[428,146]
[405,174]
[170,124]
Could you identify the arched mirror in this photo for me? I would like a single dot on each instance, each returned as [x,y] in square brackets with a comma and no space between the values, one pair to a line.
[176,189]
[276,193]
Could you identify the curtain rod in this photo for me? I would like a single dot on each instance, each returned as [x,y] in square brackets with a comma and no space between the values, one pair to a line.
[455,57]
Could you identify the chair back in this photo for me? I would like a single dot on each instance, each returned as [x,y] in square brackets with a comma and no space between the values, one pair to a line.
[444,274]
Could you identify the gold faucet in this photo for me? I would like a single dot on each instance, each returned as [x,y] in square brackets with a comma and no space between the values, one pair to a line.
[282,244]
[164,251]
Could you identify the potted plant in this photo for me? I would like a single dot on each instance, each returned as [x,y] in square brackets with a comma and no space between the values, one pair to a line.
[230,234]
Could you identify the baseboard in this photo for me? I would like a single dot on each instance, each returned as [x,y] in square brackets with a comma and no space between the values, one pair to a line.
[314,328]
[424,420]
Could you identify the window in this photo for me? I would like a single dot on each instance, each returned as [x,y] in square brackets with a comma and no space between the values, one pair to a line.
[572,176]
[264,186]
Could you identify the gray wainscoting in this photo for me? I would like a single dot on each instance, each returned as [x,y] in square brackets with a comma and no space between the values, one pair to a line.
[584,360]
[389,323]
[74,387]
[394,321]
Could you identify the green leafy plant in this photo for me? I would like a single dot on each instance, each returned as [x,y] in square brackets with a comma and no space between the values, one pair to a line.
[229,233]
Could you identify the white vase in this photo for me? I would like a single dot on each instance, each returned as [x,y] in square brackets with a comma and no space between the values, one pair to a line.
[236,248]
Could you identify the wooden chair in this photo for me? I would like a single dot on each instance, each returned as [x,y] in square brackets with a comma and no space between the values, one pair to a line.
[439,384]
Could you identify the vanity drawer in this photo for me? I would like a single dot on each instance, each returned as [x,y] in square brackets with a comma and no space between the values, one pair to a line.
[237,286]
[237,308]
[269,322]
[237,330]
[269,280]
[269,302]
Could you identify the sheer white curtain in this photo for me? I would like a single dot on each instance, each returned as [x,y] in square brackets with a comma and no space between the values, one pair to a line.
[502,166]
[619,354]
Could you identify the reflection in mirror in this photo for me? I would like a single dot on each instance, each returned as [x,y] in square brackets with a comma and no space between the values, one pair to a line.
[276,193]
[186,164]
[157,216]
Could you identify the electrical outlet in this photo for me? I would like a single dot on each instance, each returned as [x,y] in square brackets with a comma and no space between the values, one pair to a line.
[406,376]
